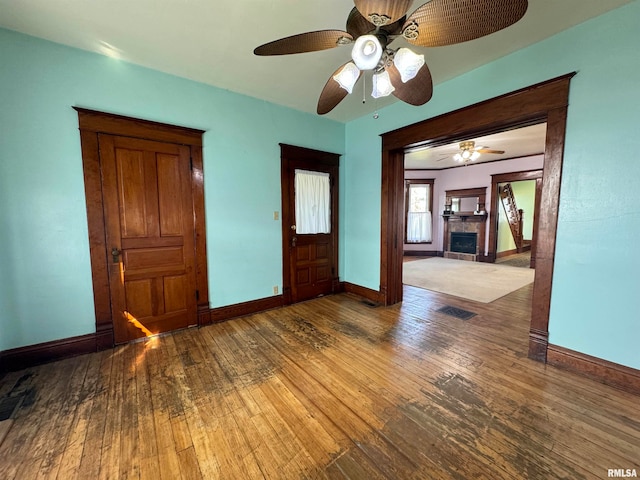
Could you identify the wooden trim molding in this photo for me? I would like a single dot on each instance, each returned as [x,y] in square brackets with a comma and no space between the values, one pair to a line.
[102,122]
[543,102]
[220,314]
[92,123]
[609,373]
[392,225]
[364,292]
[32,355]
[495,205]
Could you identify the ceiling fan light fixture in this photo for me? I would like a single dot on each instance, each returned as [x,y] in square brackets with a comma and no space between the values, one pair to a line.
[408,63]
[458,158]
[348,76]
[475,156]
[466,154]
[367,52]
[382,86]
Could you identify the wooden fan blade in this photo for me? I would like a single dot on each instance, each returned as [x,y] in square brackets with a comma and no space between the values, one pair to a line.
[488,150]
[416,91]
[382,12]
[358,25]
[446,22]
[304,42]
[332,93]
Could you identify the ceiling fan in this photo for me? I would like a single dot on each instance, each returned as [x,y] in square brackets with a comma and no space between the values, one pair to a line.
[371,27]
[469,151]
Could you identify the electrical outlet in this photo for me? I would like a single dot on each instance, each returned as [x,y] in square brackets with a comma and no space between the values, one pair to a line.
[276,215]
[275,290]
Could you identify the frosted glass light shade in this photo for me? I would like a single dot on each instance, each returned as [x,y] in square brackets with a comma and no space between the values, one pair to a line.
[466,155]
[366,52]
[348,76]
[407,63]
[382,85]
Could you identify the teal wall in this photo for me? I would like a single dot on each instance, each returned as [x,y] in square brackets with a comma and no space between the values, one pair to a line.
[524,193]
[45,276]
[595,281]
[7,299]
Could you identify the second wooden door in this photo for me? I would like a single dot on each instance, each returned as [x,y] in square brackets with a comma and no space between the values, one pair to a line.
[310,258]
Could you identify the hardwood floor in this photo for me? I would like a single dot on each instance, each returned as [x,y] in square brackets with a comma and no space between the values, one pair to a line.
[329,388]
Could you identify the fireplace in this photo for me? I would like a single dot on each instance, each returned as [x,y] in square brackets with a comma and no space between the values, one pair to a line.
[464,242]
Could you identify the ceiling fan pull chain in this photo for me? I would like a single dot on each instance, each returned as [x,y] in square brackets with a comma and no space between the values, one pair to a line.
[364,87]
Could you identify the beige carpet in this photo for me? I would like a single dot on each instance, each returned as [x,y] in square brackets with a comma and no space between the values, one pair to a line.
[482,282]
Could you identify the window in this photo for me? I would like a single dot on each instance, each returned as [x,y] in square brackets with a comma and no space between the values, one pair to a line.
[313,202]
[418,206]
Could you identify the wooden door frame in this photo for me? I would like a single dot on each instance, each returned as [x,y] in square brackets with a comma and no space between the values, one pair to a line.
[542,102]
[289,154]
[495,204]
[92,123]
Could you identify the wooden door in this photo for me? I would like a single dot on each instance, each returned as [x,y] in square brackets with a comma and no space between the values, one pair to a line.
[310,260]
[149,226]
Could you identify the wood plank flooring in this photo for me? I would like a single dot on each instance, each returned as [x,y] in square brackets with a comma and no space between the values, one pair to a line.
[327,389]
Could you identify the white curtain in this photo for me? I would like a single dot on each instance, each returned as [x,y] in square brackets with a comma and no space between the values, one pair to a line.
[313,202]
[418,227]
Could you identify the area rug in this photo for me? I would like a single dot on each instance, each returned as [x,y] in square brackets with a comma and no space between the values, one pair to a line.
[482,282]
[522,260]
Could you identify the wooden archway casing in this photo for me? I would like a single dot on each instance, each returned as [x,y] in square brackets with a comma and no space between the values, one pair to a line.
[543,102]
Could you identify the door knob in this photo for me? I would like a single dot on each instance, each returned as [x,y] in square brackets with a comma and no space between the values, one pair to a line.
[293,227]
[115,253]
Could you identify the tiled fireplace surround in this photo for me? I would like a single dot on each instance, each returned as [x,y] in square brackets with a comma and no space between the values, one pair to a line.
[466,225]
[466,222]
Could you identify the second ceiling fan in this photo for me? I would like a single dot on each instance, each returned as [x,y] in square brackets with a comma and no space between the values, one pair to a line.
[469,151]
[373,25]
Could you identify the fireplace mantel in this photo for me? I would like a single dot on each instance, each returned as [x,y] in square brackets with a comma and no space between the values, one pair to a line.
[465,222]
[464,216]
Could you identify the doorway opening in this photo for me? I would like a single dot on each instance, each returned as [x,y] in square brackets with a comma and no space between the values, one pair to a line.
[462,218]
[544,102]
[502,239]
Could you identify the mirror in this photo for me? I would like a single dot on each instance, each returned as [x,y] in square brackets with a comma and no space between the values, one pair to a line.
[468,201]
[464,204]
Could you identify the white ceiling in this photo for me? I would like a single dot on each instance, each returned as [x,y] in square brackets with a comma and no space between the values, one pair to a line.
[212,41]
[520,142]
